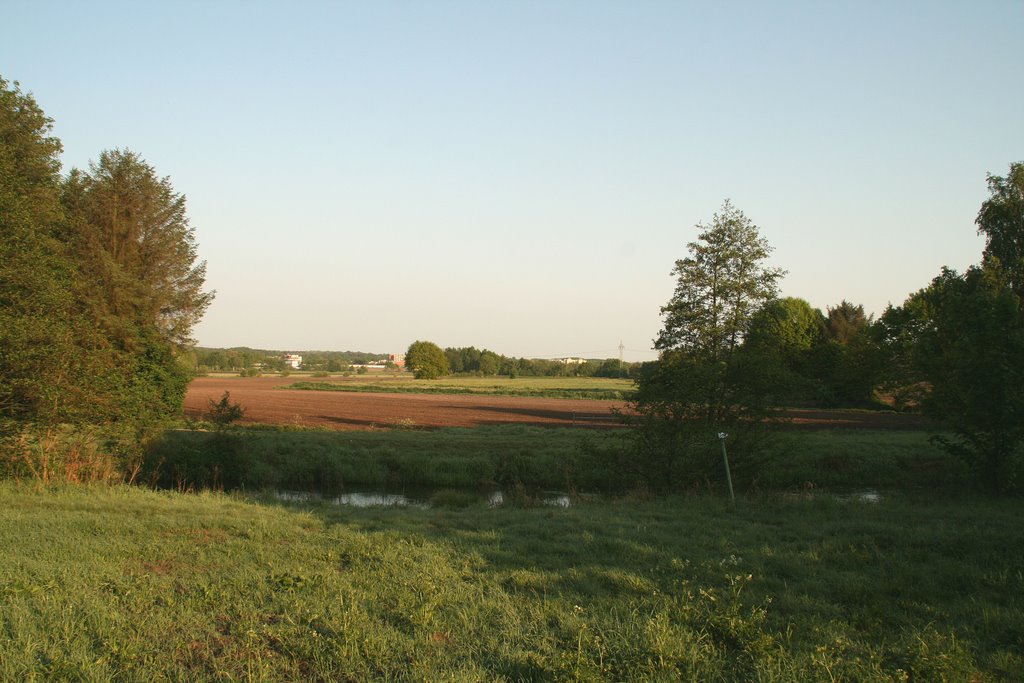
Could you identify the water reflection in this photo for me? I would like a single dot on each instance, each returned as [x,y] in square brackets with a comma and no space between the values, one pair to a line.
[865,496]
[359,499]
[553,498]
[419,499]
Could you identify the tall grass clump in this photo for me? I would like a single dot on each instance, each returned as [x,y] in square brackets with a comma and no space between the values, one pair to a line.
[58,453]
[261,458]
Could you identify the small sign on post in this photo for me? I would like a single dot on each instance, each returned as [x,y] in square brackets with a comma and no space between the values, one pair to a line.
[728,475]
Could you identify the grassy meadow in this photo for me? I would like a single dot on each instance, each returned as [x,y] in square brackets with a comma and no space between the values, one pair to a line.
[125,583]
[805,580]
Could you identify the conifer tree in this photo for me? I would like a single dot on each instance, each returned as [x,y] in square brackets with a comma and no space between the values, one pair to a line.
[133,238]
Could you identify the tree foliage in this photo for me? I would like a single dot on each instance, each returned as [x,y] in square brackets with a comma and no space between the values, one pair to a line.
[702,383]
[426,360]
[128,232]
[1001,221]
[472,360]
[846,321]
[719,287]
[958,344]
[132,236]
[815,359]
[92,320]
[960,341]
[224,412]
[789,325]
[44,375]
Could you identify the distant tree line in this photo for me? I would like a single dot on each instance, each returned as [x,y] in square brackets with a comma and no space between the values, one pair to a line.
[428,361]
[472,361]
[99,290]
[242,358]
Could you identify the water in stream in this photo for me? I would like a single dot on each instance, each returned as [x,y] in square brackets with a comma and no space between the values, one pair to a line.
[418,499]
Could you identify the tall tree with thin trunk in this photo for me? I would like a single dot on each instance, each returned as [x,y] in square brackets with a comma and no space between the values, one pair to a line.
[719,287]
[702,383]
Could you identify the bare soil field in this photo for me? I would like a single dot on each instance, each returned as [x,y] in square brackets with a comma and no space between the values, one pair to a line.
[266,403]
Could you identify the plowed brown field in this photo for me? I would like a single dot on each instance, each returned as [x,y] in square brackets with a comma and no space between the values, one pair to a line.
[265,403]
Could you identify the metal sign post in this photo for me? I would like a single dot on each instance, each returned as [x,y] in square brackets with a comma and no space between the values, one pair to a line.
[728,475]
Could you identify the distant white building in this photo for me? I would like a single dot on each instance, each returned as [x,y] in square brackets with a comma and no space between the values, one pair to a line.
[571,361]
[292,360]
[397,358]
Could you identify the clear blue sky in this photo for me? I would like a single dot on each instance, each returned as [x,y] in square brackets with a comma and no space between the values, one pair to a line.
[522,176]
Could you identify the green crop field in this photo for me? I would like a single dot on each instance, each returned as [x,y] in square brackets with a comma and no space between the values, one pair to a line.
[545,387]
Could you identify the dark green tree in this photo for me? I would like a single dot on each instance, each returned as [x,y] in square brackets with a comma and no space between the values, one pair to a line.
[957,346]
[822,360]
[702,385]
[960,343]
[224,412]
[131,233]
[789,325]
[784,337]
[426,360]
[611,367]
[846,321]
[847,362]
[98,289]
[1001,221]
[51,370]
[489,363]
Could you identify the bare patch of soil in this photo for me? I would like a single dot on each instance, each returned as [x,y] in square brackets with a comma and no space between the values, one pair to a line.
[267,404]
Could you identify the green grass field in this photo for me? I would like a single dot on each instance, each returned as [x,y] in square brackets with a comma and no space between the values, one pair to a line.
[798,583]
[122,583]
[544,387]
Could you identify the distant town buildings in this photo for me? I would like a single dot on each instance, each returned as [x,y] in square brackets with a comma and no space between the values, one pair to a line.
[397,358]
[294,361]
[571,361]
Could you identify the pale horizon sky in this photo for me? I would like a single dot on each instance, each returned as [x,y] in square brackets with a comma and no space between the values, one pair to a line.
[522,176]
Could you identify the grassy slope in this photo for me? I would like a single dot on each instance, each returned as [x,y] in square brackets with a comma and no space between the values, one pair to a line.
[128,584]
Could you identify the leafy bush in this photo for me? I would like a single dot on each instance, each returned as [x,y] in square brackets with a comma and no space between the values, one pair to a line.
[223,412]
